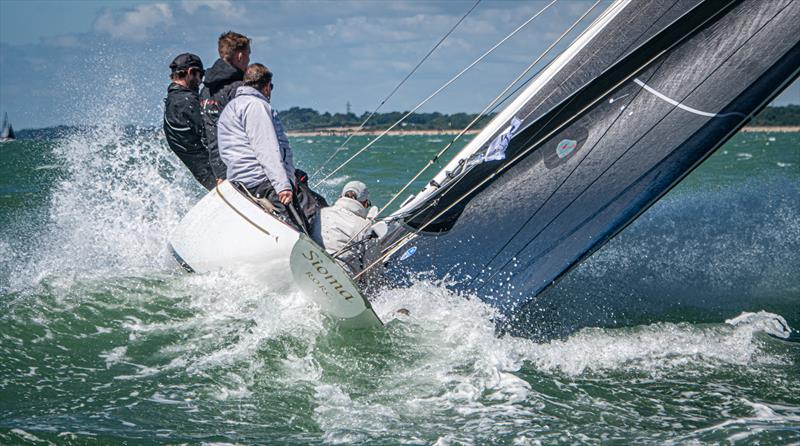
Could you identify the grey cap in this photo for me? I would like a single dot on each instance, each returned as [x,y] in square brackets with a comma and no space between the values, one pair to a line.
[357,187]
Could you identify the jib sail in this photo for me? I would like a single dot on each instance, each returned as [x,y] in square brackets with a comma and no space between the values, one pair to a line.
[638,101]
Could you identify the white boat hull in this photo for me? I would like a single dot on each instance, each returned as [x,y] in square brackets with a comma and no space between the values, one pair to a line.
[226,231]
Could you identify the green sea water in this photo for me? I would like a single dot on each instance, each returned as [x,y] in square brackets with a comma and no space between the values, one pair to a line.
[103,340]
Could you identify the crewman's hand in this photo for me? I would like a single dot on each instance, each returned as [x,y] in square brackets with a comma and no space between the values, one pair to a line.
[220,181]
[285,197]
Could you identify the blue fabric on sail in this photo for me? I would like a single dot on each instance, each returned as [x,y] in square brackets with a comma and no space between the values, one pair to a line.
[497,149]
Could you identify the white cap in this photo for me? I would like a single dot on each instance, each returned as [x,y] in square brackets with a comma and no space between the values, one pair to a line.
[358,188]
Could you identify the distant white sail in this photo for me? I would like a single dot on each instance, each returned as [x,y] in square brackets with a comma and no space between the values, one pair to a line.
[7,133]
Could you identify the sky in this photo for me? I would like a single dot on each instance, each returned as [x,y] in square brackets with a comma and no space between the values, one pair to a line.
[78,61]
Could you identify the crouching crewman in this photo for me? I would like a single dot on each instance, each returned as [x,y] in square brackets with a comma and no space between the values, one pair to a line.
[347,230]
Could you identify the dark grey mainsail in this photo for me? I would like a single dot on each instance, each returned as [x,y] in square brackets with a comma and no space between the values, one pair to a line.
[647,93]
[7,132]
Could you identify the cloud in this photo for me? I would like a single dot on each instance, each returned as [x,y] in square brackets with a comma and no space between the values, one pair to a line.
[62,41]
[226,8]
[134,24]
[380,30]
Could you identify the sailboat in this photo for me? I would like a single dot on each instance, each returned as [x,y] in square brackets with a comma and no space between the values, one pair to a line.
[646,93]
[7,132]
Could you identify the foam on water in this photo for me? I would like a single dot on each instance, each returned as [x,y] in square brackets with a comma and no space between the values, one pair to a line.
[192,346]
[112,209]
[452,362]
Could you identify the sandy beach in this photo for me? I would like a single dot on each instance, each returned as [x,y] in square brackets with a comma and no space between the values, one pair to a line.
[779,129]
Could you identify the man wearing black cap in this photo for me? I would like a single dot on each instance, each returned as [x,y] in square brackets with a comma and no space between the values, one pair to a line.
[183,124]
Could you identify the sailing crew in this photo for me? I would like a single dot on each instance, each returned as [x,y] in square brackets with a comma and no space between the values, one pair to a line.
[254,147]
[347,230]
[183,125]
[219,87]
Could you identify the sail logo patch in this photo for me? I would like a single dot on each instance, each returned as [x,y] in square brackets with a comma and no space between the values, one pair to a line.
[566,147]
[410,252]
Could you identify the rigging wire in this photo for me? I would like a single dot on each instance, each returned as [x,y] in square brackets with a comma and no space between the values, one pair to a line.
[410,235]
[446,84]
[525,152]
[361,127]
[491,104]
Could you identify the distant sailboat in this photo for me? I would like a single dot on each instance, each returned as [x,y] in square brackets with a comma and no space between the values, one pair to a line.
[7,134]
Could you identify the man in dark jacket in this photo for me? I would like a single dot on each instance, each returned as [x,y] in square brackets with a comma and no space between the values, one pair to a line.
[183,124]
[219,88]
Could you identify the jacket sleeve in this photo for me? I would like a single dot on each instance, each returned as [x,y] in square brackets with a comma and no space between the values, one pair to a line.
[262,137]
[181,118]
[219,168]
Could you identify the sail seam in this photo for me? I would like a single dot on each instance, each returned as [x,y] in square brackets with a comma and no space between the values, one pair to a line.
[519,230]
[671,101]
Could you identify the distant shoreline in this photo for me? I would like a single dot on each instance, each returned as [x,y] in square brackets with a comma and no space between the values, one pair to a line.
[347,131]
[53,132]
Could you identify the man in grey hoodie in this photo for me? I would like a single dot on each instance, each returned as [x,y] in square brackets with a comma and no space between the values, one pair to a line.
[254,147]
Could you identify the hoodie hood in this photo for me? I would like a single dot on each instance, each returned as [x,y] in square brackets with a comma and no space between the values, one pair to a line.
[352,206]
[245,90]
[222,73]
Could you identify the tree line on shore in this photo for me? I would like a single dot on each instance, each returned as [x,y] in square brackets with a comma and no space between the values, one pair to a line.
[780,116]
[303,119]
[297,118]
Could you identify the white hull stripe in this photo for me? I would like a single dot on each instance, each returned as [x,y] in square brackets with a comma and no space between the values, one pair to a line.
[681,106]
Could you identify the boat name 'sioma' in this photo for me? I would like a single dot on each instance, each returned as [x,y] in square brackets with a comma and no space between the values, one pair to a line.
[326,276]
